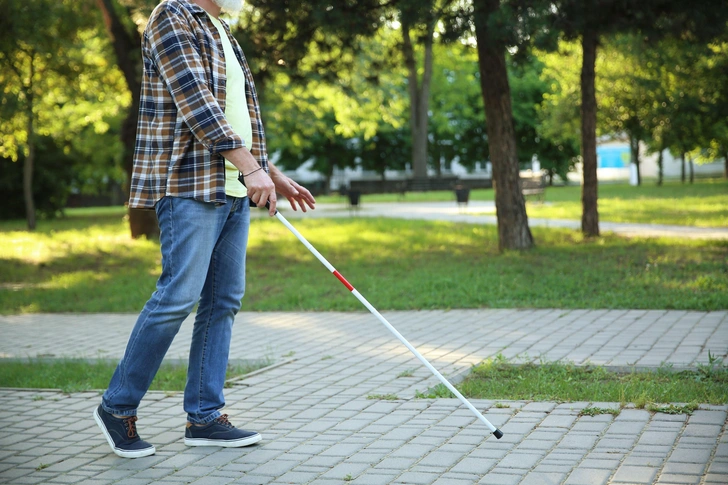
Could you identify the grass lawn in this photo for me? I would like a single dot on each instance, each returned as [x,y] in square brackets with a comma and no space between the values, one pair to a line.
[564,382]
[86,262]
[89,264]
[76,375]
[702,204]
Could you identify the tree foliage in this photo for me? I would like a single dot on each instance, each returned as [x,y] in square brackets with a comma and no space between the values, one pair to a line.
[57,85]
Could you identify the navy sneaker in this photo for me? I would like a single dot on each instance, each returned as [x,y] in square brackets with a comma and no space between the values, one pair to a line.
[219,432]
[122,435]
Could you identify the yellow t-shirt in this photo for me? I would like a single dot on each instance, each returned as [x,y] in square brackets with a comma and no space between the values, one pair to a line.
[236,108]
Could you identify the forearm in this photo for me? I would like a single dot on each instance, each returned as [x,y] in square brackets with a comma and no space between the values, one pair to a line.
[242,159]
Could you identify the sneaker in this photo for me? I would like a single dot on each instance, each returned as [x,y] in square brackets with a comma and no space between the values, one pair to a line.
[122,435]
[219,432]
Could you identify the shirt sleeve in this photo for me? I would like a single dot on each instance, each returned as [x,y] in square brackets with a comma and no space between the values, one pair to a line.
[173,48]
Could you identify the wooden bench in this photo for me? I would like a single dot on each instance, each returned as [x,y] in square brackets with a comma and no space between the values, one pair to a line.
[533,186]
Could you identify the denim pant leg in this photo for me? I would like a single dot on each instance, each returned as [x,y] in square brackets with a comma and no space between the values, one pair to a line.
[189,231]
[219,303]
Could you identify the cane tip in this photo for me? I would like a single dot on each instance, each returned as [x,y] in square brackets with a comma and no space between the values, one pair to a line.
[498,434]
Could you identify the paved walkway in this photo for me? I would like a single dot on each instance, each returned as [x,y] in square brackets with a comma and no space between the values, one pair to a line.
[483,212]
[320,427]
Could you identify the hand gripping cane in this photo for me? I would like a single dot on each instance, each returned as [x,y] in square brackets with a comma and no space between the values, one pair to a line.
[496,432]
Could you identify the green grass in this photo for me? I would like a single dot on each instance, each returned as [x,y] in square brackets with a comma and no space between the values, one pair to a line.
[594,411]
[88,263]
[383,397]
[75,375]
[563,382]
[702,204]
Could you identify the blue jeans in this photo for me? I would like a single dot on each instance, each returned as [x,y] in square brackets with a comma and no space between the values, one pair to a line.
[203,261]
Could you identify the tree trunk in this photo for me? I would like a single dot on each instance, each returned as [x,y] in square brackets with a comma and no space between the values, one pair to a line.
[419,97]
[30,158]
[590,215]
[682,167]
[692,169]
[513,230]
[725,162]
[660,167]
[126,43]
[634,148]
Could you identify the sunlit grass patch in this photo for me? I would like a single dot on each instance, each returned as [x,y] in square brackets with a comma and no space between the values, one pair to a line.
[90,264]
[75,375]
[564,382]
[702,204]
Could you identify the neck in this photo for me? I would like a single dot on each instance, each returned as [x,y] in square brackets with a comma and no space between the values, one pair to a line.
[210,7]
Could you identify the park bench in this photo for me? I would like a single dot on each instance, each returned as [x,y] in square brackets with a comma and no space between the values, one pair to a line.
[533,186]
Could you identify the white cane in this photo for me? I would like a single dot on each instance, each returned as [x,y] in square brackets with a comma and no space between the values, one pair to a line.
[496,432]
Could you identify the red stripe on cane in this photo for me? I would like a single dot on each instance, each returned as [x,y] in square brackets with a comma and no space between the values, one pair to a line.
[343,280]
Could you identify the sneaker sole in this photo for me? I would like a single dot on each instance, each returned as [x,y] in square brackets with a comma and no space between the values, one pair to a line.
[117,451]
[250,440]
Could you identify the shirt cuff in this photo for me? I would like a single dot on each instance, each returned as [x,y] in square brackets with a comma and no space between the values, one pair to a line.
[227,144]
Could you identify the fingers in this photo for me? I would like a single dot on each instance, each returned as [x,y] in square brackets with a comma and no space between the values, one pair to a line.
[292,201]
[261,189]
[299,196]
[272,207]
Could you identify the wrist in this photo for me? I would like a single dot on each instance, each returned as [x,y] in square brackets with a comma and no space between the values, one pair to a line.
[252,171]
[242,159]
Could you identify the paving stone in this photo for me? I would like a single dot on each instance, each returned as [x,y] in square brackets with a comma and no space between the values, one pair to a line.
[588,476]
[683,468]
[210,480]
[345,469]
[274,468]
[718,467]
[448,479]
[716,478]
[500,479]
[634,474]
[679,479]
[657,437]
[417,478]
[400,464]
[707,417]
[558,421]
[703,430]
[441,459]
[374,479]
[683,454]
[534,478]
[520,460]
[478,466]
[579,441]
[608,464]
[298,477]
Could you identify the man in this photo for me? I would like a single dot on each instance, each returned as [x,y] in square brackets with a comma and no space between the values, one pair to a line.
[199,129]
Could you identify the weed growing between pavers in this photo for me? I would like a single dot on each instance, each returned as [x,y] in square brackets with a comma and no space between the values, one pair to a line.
[672,408]
[594,411]
[500,378]
[383,397]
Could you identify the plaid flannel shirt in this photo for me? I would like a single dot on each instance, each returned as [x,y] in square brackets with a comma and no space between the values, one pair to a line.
[182,127]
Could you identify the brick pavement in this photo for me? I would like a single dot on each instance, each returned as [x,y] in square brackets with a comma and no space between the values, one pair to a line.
[319,427]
